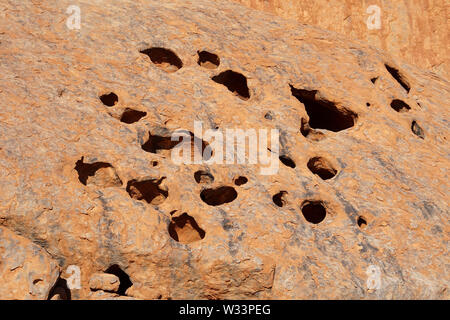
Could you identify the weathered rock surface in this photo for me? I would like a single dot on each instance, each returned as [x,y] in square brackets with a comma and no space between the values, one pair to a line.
[104,281]
[415,31]
[362,180]
[26,270]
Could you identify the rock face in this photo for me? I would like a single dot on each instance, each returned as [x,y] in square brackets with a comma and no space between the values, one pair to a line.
[415,31]
[26,270]
[358,207]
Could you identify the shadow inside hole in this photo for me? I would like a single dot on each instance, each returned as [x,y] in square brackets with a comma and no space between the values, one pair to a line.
[235,82]
[164,58]
[185,229]
[241,180]
[86,170]
[399,77]
[147,190]
[202,176]
[131,116]
[287,161]
[362,222]
[60,290]
[280,198]
[208,60]
[399,105]
[321,167]
[218,196]
[314,211]
[155,143]
[324,114]
[109,99]
[125,281]
[417,130]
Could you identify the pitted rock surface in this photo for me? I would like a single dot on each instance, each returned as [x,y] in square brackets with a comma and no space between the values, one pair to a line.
[362,179]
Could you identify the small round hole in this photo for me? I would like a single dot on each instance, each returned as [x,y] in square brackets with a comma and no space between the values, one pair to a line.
[239,181]
[362,222]
[280,198]
[314,211]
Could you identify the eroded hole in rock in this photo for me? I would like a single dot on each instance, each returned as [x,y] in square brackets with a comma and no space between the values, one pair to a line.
[324,114]
[148,190]
[60,290]
[280,198]
[362,222]
[268,116]
[132,116]
[109,99]
[185,229]
[208,60]
[417,130]
[164,58]
[201,176]
[235,82]
[125,281]
[399,77]
[287,161]
[321,167]
[314,211]
[218,196]
[156,143]
[239,181]
[374,80]
[101,174]
[399,105]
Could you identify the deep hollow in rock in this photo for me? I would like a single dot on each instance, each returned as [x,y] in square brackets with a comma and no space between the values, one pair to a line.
[399,105]
[374,80]
[208,60]
[164,58]
[156,143]
[287,161]
[185,229]
[235,82]
[239,181]
[101,174]
[324,114]
[148,190]
[131,116]
[202,176]
[280,198]
[60,290]
[314,211]
[362,222]
[125,281]
[399,77]
[417,130]
[109,99]
[321,167]
[218,196]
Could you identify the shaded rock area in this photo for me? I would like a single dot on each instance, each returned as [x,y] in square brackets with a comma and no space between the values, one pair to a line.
[411,30]
[27,270]
[86,182]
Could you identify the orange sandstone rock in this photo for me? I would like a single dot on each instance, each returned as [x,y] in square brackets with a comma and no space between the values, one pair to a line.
[414,31]
[361,188]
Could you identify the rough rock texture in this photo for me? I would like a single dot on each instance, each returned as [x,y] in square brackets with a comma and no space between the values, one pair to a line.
[416,31]
[26,270]
[104,281]
[86,171]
